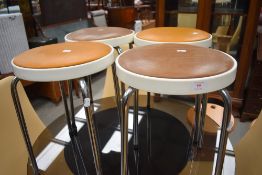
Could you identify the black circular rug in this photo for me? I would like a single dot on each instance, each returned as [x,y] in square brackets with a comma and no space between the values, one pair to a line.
[165,153]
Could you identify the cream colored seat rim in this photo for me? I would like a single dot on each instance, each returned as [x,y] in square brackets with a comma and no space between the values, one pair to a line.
[177,86]
[114,42]
[203,43]
[64,73]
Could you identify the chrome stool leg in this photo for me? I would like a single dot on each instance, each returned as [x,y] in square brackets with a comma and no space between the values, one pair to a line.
[72,126]
[119,51]
[148,126]
[148,100]
[196,128]
[91,125]
[202,119]
[22,123]
[116,87]
[135,120]
[123,88]
[124,130]
[224,132]
[131,45]
[89,80]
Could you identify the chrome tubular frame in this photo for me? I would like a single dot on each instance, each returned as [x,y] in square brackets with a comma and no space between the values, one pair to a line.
[131,45]
[70,118]
[118,49]
[89,80]
[135,120]
[148,126]
[91,125]
[124,130]
[224,131]
[116,87]
[196,128]
[202,119]
[23,127]
[148,100]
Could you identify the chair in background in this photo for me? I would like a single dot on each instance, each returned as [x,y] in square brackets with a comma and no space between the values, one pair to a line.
[12,38]
[248,151]
[41,39]
[220,31]
[14,155]
[228,43]
[99,18]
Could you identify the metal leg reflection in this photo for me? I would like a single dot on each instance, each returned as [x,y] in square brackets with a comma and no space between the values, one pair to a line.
[91,126]
[22,124]
[224,132]
[137,161]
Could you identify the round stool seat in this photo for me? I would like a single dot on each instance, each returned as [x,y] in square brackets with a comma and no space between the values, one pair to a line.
[62,61]
[213,120]
[176,69]
[114,36]
[179,35]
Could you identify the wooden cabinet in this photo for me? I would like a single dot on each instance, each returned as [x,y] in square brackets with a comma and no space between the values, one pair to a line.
[253,99]
[208,11]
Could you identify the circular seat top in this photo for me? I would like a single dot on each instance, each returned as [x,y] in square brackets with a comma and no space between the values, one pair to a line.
[173,34]
[174,63]
[62,56]
[111,35]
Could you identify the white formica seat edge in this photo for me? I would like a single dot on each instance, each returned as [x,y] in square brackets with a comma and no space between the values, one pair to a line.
[177,86]
[203,43]
[64,73]
[114,42]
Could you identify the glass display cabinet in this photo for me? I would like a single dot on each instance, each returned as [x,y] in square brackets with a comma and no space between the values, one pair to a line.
[233,24]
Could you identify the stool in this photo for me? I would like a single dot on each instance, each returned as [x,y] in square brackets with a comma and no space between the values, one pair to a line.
[114,36]
[181,70]
[178,35]
[62,62]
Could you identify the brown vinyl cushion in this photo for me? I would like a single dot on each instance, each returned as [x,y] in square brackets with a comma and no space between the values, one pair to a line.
[62,55]
[175,61]
[98,33]
[173,34]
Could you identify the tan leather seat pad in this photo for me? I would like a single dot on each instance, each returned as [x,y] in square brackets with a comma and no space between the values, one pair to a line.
[213,120]
[62,55]
[173,34]
[98,33]
[175,61]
